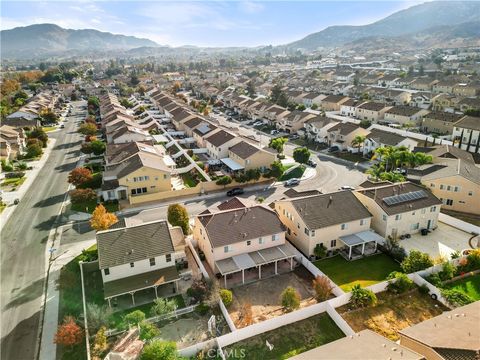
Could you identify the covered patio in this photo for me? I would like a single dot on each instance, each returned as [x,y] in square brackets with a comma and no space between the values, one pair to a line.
[231,166]
[255,260]
[360,244]
[145,281]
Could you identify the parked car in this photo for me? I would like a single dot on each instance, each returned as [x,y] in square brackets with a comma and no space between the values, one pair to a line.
[235,192]
[274,132]
[347,187]
[257,123]
[62,126]
[292,182]
[294,137]
[311,163]
[333,149]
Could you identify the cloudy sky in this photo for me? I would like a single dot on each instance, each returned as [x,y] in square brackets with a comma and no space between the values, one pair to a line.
[201,23]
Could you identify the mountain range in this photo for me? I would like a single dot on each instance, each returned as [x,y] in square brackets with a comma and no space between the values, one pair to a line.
[428,25]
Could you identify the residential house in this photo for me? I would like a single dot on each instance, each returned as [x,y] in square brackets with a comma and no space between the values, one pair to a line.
[137,258]
[404,115]
[395,97]
[236,237]
[333,102]
[440,122]
[466,134]
[380,138]
[249,156]
[445,102]
[468,104]
[275,113]
[423,84]
[323,219]
[202,131]
[401,208]
[218,144]
[317,128]
[466,89]
[190,125]
[372,111]
[22,119]
[444,86]
[349,108]
[450,335]
[310,99]
[294,121]
[388,80]
[342,135]
[422,99]
[12,139]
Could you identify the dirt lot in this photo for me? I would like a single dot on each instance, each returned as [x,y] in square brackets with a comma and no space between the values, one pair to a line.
[264,295]
[393,313]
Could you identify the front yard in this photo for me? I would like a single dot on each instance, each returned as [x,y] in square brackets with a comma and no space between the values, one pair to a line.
[295,173]
[89,206]
[469,286]
[365,272]
[288,340]
[12,184]
[350,156]
[392,313]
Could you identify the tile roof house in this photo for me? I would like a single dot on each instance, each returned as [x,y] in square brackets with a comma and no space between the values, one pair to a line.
[342,135]
[380,138]
[294,121]
[333,102]
[402,114]
[249,156]
[466,134]
[372,111]
[440,122]
[135,258]
[317,128]
[219,143]
[400,209]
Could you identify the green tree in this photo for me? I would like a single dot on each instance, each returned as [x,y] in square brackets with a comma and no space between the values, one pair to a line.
[416,261]
[98,147]
[224,180]
[253,174]
[358,141]
[290,299]
[162,306]
[160,350]
[301,107]
[301,155]
[278,144]
[277,169]
[323,287]
[135,317]
[399,282]
[148,331]
[314,107]
[40,134]
[33,151]
[251,88]
[320,251]
[178,216]
[87,129]
[362,297]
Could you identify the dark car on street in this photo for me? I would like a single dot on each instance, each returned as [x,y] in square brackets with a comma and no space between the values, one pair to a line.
[235,192]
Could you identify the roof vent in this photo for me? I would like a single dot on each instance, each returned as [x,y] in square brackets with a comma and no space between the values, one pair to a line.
[330,200]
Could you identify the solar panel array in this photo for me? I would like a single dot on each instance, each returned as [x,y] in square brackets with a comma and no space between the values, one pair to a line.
[401,198]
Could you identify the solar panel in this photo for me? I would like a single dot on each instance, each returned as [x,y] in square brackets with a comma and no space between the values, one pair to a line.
[401,198]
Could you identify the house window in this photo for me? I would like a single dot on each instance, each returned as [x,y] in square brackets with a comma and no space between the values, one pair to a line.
[424,211]
[152,261]
[432,185]
[384,217]
[165,176]
[227,249]
[106,271]
[261,241]
[449,188]
[333,243]
[132,264]
[442,187]
[312,233]
[456,189]
[398,217]
[362,222]
[449,202]
[433,208]
[307,231]
[168,257]
[275,237]
[470,193]
[343,226]
[415,226]
[249,242]
[146,178]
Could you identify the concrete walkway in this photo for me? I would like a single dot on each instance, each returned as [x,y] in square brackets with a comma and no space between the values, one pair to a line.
[31,175]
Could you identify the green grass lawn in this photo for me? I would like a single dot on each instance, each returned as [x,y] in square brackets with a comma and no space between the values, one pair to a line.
[2,207]
[49,128]
[188,180]
[366,271]
[89,206]
[295,173]
[288,340]
[13,182]
[469,286]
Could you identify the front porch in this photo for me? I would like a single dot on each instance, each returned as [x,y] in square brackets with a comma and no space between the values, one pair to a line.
[361,244]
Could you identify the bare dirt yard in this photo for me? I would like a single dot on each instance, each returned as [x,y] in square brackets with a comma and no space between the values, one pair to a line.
[392,313]
[264,295]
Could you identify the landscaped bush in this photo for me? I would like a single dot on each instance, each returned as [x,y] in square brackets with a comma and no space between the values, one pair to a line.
[82,195]
[198,290]
[434,279]
[14,175]
[323,288]
[88,255]
[399,283]
[148,331]
[6,166]
[98,316]
[448,271]
[226,296]
[320,251]
[290,299]
[163,306]
[362,297]
[135,317]
[456,298]
[416,261]
[393,249]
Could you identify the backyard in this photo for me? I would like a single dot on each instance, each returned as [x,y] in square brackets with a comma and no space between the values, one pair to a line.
[288,340]
[264,295]
[468,285]
[392,313]
[365,272]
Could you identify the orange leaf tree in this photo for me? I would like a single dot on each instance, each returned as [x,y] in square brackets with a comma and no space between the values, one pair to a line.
[68,333]
[102,219]
[79,176]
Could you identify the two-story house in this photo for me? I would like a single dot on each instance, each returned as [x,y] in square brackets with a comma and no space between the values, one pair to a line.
[466,134]
[218,144]
[342,135]
[249,156]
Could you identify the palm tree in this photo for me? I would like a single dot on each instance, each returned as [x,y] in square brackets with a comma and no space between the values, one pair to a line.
[375,171]
[422,159]
[358,141]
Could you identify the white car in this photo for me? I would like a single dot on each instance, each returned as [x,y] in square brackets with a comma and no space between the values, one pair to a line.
[347,187]
[292,182]
[257,123]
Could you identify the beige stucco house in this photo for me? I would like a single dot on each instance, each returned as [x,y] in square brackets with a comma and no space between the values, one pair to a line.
[251,157]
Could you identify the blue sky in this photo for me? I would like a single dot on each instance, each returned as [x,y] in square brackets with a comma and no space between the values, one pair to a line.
[201,23]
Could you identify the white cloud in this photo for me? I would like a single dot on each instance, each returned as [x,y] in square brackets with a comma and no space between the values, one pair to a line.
[250,7]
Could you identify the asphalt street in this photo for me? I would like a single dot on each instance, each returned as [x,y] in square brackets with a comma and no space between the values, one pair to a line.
[23,241]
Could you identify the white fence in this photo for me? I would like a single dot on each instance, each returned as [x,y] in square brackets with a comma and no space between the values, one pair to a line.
[175,313]
[341,323]
[197,258]
[226,315]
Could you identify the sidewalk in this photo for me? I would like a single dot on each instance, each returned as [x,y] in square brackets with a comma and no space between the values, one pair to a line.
[9,197]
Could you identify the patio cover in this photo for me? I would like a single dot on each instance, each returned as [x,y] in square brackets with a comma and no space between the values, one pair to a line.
[140,282]
[232,164]
[160,138]
[361,238]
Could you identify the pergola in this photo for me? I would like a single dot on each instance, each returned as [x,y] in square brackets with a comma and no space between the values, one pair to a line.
[132,284]
[253,259]
[362,238]
[232,165]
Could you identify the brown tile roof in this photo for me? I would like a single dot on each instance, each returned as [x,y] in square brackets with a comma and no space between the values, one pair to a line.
[219,138]
[403,110]
[372,106]
[231,204]
[230,227]
[344,128]
[244,150]
[329,209]
[469,122]
[292,193]
[126,245]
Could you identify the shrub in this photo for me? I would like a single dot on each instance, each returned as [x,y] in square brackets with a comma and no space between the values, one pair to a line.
[100,345]
[456,298]
[423,289]
[448,271]
[245,315]
[399,282]
[224,180]
[68,333]
[98,316]
[33,151]
[22,166]
[198,290]
[135,317]
[473,259]
[226,296]
[323,288]
[82,195]
[148,331]
[14,175]
[320,251]
[6,166]
[164,350]
[434,279]
[178,216]
[40,134]
[79,176]
[362,297]
[163,306]
[416,261]
[290,299]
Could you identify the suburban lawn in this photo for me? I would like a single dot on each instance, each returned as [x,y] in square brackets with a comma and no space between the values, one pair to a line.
[89,206]
[49,128]
[392,313]
[188,180]
[365,272]
[13,183]
[469,285]
[288,340]
[295,173]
